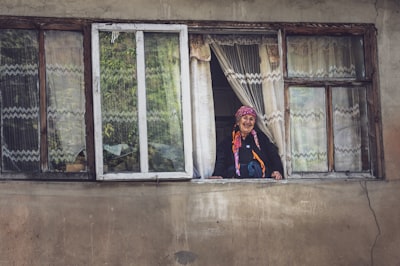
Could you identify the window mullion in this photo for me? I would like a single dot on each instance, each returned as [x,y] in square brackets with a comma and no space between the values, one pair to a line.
[142,119]
[329,125]
[98,137]
[43,105]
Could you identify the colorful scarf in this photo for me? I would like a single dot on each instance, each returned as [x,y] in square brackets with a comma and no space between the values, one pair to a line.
[245,110]
[237,143]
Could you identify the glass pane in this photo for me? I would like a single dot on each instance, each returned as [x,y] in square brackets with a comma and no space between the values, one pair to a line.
[324,57]
[119,102]
[350,125]
[19,100]
[164,109]
[66,101]
[308,129]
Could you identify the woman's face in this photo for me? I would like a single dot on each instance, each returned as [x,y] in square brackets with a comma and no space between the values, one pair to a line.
[246,124]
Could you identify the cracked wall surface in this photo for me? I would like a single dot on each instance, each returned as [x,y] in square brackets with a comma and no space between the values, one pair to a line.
[193,223]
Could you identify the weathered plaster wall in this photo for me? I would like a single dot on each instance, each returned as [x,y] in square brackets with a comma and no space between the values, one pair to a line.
[237,10]
[388,24]
[186,223]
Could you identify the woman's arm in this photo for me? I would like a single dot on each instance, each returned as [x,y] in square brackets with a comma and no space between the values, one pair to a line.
[271,153]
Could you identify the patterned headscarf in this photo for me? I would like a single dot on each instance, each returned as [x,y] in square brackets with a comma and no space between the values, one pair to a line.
[245,110]
[237,138]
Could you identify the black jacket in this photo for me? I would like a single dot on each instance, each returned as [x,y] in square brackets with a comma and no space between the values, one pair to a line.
[225,162]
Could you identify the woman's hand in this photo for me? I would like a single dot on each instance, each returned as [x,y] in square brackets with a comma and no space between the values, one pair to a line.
[276,175]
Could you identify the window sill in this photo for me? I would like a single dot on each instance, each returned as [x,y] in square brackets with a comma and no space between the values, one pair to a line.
[302,179]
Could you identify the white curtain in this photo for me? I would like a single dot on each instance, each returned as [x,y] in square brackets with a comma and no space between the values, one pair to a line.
[204,139]
[66,98]
[19,100]
[350,127]
[325,57]
[308,134]
[252,66]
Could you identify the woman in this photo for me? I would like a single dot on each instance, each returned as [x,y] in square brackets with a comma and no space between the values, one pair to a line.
[248,153]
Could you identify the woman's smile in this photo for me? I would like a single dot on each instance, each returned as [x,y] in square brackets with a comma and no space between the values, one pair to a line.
[246,124]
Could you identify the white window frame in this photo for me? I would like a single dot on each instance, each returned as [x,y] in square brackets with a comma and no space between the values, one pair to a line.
[139,30]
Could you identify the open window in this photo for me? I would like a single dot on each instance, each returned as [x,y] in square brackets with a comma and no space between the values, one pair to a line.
[315,91]
[225,101]
[141,101]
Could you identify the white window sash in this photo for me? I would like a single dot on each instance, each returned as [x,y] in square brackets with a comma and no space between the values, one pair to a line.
[144,174]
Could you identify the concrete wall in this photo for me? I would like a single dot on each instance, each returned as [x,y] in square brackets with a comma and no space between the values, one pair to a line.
[187,223]
[215,223]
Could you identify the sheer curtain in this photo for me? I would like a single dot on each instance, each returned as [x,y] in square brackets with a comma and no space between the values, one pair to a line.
[326,57]
[308,133]
[19,81]
[252,66]
[350,127]
[66,100]
[204,139]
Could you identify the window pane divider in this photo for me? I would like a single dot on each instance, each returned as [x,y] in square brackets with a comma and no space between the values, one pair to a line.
[97,103]
[329,129]
[142,106]
[42,104]
[186,106]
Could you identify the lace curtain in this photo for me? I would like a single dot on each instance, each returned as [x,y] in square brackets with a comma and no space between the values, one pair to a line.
[325,57]
[19,100]
[66,99]
[321,58]
[252,66]
[350,129]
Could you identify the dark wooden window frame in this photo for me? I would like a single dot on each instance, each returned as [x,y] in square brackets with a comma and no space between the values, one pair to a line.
[41,25]
[370,81]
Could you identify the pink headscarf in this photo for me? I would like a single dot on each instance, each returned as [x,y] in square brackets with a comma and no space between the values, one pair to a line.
[245,110]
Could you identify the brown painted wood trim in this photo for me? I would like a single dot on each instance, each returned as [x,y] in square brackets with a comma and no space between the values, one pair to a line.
[43,104]
[40,23]
[329,129]
[371,49]
[87,57]
[323,83]
[287,125]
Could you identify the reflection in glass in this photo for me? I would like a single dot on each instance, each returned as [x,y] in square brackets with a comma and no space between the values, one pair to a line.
[119,102]
[163,90]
